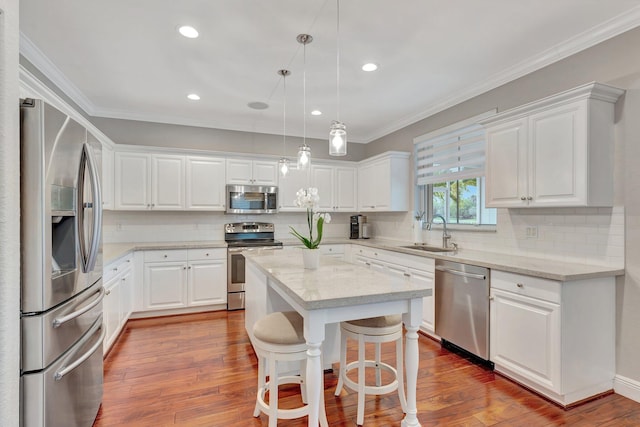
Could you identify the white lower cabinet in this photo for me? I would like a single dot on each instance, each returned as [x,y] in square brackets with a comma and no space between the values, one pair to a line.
[179,279]
[117,303]
[554,337]
[415,269]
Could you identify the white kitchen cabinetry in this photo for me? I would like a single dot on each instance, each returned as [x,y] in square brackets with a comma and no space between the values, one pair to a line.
[554,152]
[255,172]
[107,177]
[416,269]
[149,181]
[555,337]
[117,303]
[289,186]
[181,278]
[383,183]
[205,183]
[337,187]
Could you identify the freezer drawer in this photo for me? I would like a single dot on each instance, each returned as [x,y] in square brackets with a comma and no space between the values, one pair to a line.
[47,335]
[69,392]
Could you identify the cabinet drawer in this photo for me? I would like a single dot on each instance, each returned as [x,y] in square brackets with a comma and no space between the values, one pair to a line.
[165,255]
[535,287]
[207,253]
[112,269]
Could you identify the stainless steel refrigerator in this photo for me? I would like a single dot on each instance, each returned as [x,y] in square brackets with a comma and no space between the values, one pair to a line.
[61,287]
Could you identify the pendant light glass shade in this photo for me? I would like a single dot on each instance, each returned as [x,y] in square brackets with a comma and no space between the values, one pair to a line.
[304,152]
[338,139]
[283,167]
[304,157]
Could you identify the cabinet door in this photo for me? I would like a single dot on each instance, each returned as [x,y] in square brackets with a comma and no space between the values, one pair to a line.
[365,190]
[558,156]
[289,186]
[126,295]
[165,285]
[525,337]
[167,182]
[132,181]
[207,282]
[381,185]
[265,173]
[111,311]
[205,183]
[506,165]
[346,189]
[322,177]
[107,177]
[239,171]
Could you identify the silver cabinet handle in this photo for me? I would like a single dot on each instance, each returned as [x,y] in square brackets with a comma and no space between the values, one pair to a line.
[407,275]
[58,321]
[491,298]
[189,267]
[165,256]
[520,285]
[108,292]
[461,273]
[184,268]
[523,198]
[529,198]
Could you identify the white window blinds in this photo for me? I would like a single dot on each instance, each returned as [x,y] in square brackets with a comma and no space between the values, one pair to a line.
[458,154]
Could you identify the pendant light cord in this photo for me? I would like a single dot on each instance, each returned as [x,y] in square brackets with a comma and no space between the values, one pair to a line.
[284,115]
[338,63]
[304,93]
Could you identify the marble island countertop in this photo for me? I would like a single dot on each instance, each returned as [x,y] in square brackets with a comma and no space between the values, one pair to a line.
[335,283]
[544,268]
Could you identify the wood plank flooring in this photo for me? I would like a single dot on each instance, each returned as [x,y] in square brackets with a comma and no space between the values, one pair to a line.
[200,370]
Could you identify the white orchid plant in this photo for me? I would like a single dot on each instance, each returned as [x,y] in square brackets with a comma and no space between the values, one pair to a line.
[309,199]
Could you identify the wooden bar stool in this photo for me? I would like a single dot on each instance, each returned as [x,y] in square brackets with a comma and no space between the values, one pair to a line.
[279,337]
[375,330]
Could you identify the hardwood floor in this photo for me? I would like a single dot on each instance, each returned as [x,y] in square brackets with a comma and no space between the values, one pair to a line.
[200,370]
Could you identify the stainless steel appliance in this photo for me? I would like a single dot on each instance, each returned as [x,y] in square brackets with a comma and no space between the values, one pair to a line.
[61,289]
[462,307]
[242,237]
[251,199]
[357,223]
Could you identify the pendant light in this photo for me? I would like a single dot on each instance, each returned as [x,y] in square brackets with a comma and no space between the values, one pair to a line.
[304,152]
[338,132]
[283,163]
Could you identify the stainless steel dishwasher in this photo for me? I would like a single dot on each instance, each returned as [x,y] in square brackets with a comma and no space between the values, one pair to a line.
[462,307]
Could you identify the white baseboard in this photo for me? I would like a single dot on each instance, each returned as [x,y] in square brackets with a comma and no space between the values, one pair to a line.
[627,387]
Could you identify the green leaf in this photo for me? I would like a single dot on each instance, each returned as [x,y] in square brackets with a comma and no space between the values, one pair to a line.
[303,239]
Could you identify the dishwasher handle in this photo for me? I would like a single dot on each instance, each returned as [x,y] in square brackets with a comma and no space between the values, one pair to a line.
[461,273]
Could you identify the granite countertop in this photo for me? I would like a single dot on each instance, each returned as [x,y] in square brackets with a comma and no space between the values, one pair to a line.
[325,287]
[548,269]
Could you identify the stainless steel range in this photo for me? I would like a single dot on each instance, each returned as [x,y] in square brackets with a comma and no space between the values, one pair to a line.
[241,237]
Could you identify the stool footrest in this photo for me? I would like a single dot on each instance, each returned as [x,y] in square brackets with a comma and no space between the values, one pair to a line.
[371,389]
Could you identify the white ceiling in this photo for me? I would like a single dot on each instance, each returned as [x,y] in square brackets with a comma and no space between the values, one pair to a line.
[125,59]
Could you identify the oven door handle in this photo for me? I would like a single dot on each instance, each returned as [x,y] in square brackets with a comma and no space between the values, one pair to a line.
[243,249]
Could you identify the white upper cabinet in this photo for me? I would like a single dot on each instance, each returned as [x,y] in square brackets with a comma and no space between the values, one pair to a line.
[255,172]
[383,183]
[132,179]
[205,183]
[289,186]
[167,182]
[554,152]
[337,187]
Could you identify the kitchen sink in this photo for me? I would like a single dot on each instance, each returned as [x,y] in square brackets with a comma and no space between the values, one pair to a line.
[426,248]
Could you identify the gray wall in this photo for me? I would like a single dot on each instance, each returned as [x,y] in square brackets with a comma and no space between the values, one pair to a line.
[167,135]
[9,215]
[615,62]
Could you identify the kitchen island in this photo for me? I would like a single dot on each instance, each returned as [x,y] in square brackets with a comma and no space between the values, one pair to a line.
[337,291]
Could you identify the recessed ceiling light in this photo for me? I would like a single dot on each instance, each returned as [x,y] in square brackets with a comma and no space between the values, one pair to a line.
[258,105]
[369,67]
[193,97]
[316,113]
[188,31]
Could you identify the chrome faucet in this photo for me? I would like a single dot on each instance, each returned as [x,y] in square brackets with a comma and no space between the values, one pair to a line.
[445,236]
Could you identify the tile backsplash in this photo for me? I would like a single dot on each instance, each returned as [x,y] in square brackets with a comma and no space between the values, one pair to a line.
[581,235]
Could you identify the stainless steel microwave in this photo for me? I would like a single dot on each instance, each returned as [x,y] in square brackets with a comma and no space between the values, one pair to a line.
[251,199]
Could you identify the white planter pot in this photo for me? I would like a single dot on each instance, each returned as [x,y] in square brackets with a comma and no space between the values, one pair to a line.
[311,258]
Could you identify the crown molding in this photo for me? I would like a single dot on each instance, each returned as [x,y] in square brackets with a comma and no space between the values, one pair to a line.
[34,55]
[598,34]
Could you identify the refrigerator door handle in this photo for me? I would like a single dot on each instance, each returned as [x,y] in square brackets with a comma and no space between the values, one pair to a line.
[79,361]
[59,321]
[87,163]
